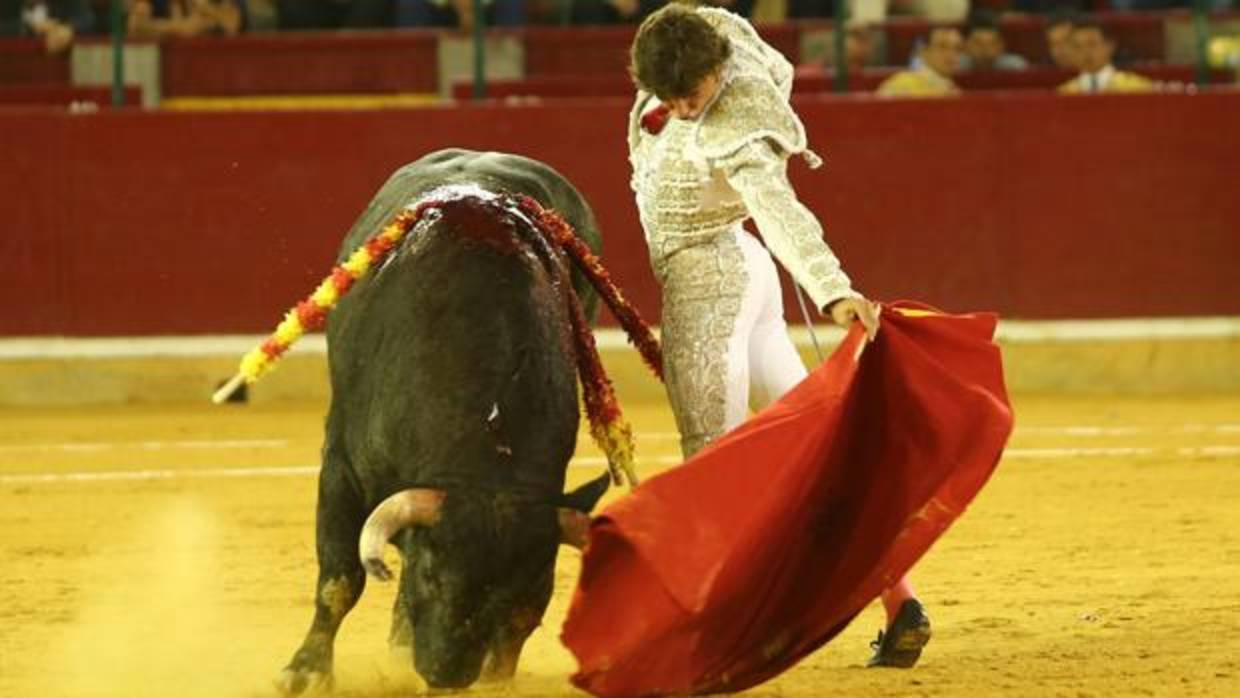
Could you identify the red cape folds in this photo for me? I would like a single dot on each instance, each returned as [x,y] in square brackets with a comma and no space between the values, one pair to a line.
[720,574]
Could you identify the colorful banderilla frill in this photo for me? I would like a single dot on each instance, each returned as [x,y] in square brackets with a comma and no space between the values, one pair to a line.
[610,431]
[608,427]
[563,235]
[311,314]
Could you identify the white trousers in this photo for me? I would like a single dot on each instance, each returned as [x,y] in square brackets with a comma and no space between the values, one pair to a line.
[762,362]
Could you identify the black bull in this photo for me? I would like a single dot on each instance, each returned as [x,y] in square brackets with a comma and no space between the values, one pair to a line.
[453,417]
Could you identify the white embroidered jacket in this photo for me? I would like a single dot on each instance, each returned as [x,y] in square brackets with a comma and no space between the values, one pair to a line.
[696,180]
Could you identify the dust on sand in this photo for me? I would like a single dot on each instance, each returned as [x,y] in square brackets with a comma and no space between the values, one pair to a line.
[1103,559]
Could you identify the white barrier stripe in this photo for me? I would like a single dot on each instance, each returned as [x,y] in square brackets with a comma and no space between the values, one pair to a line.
[1081,431]
[233,346]
[146,445]
[1016,331]
[1196,453]
[642,437]
[1076,452]
[1220,428]
[207,473]
[224,346]
[160,474]
[1209,451]
[1224,428]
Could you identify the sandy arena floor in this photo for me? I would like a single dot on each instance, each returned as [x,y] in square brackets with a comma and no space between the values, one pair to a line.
[155,551]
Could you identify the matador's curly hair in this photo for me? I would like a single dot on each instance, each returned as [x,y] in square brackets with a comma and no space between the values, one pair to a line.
[674,50]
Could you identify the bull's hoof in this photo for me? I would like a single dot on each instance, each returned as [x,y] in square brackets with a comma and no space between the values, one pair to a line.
[496,680]
[500,669]
[294,682]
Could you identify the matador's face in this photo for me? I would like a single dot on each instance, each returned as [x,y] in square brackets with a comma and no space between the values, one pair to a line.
[692,106]
[1093,49]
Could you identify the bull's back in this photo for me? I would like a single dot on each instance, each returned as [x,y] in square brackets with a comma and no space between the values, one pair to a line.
[452,365]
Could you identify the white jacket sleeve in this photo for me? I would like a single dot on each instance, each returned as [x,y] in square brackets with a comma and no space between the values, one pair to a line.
[758,172]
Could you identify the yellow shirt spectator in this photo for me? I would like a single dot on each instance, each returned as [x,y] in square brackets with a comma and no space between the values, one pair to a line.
[1094,46]
[1107,80]
[939,58]
[917,83]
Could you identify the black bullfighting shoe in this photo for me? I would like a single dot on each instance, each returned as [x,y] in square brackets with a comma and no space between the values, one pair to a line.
[901,645]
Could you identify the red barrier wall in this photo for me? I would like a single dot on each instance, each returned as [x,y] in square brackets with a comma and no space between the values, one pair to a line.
[25,61]
[62,95]
[293,63]
[163,223]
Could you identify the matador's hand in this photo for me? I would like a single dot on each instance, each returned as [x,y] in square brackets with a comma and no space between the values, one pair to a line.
[845,310]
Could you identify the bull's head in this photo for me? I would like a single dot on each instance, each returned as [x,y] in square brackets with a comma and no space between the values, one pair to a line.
[478,572]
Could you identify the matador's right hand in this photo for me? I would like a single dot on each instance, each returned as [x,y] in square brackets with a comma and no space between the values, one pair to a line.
[845,310]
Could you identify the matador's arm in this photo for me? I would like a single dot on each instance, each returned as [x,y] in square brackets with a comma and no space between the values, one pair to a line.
[758,172]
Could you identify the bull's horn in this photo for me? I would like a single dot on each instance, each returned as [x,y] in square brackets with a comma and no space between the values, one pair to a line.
[411,507]
[574,527]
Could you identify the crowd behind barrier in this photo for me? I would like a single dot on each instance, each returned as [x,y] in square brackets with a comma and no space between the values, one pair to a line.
[553,62]
[57,22]
[817,80]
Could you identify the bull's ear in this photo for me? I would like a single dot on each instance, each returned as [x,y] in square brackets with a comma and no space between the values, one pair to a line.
[584,498]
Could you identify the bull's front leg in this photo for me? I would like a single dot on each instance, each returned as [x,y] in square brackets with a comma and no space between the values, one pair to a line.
[340,583]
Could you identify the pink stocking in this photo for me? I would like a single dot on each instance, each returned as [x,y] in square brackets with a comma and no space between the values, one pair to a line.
[895,596]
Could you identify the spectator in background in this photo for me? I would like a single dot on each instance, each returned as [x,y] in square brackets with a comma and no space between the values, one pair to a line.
[938,58]
[862,47]
[261,15]
[984,48]
[1095,47]
[935,10]
[743,8]
[1042,7]
[334,14]
[860,43]
[807,9]
[458,13]
[56,22]
[613,11]
[1059,41]
[1148,5]
[157,19]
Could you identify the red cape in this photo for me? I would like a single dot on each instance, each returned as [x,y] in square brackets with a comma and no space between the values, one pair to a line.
[720,574]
